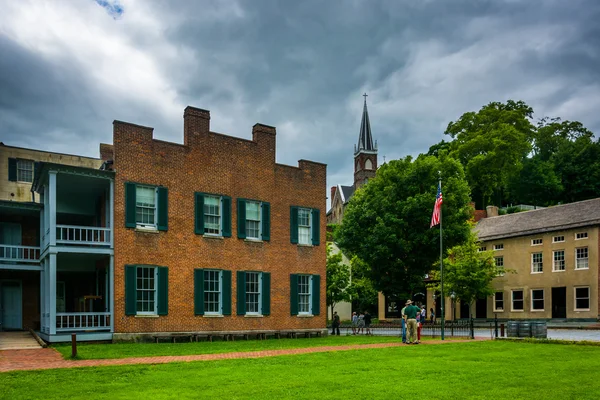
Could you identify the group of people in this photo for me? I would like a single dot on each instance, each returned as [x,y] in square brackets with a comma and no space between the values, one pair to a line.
[360,323]
[413,318]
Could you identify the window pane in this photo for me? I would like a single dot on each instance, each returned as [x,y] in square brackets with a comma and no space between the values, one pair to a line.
[252,210]
[212,214]
[146,289]
[25,170]
[212,291]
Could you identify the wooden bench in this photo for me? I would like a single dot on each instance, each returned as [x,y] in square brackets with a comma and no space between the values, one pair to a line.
[173,337]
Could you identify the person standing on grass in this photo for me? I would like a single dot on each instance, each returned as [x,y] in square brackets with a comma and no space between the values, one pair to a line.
[432,315]
[354,322]
[423,314]
[368,323]
[403,324]
[410,312]
[419,324]
[361,323]
[336,324]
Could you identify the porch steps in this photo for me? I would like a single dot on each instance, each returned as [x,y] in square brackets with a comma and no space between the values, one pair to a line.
[19,340]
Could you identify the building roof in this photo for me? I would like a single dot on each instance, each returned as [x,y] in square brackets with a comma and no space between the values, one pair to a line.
[346,192]
[365,140]
[566,216]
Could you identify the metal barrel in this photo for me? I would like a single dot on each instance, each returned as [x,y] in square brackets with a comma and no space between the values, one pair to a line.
[539,330]
[525,329]
[513,329]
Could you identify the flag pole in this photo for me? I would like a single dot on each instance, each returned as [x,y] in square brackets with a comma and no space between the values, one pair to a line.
[443,299]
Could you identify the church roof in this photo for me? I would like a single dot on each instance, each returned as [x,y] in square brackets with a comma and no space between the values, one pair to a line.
[365,140]
[346,192]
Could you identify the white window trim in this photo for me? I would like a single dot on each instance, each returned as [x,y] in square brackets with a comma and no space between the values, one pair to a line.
[543,300]
[309,226]
[494,300]
[558,241]
[149,227]
[155,312]
[482,249]
[554,261]
[512,300]
[220,312]
[220,234]
[310,294]
[260,221]
[575,298]
[20,160]
[581,233]
[537,272]
[537,244]
[499,247]
[588,259]
[259,312]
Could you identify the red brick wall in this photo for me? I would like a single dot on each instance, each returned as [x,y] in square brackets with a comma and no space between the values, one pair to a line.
[214,163]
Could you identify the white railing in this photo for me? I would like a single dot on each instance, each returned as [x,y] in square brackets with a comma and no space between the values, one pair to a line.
[73,234]
[85,321]
[27,254]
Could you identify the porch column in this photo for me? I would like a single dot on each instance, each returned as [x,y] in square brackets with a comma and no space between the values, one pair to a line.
[42,295]
[42,232]
[52,210]
[111,294]
[52,293]
[111,207]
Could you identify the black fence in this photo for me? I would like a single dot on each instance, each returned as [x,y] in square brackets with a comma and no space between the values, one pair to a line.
[452,329]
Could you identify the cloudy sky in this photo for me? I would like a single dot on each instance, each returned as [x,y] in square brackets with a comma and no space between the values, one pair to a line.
[69,68]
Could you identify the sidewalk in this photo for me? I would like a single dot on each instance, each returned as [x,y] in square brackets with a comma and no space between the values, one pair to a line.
[21,360]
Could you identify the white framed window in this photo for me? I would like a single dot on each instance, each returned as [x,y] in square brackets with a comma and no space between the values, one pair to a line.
[499,246]
[499,302]
[537,264]
[25,171]
[558,260]
[304,226]
[212,215]
[146,278]
[537,299]
[304,294]
[253,293]
[500,265]
[537,242]
[558,239]
[145,207]
[213,289]
[253,218]
[368,164]
[581,235]
[517,300]
[581,258]
[582,298]
[482,248]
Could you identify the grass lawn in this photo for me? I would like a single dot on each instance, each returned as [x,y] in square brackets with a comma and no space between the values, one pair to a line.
[480,370]
[122,350]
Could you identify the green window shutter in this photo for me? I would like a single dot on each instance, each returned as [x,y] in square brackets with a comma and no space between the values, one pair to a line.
[163,209]
[198,292]
[316,227]
[241,218]
[294,225]
[163,290]
[294,294]
[226,219]
[266,221]
[130,290]
[241,292]
[316,294]
[199,213]
[226,292]
[266,293]
[12,169]
[130,204]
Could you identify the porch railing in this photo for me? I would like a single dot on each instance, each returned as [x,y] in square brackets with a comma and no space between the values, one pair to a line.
[86,321]
[27,254]
[73,234]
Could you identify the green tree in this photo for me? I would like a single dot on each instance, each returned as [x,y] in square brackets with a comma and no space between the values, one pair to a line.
[386,223]
[338,278]
[536,184]
[361,289]
[468,272]
[491,144]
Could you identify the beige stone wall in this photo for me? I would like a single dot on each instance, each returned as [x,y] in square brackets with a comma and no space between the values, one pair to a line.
[517,256]
[21,191]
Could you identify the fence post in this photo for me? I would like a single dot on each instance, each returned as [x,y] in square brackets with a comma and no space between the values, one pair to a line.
[472,328]
[73,345]
[496,325]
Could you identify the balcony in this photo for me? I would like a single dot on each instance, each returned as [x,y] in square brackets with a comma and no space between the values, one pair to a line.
[82,235]
[21,254]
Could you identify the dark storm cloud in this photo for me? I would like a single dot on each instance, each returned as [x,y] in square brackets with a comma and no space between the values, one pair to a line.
[301,66]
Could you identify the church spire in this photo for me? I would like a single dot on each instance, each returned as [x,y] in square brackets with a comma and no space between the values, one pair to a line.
[365,140]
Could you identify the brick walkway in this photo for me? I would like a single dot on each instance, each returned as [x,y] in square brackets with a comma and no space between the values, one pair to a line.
[21,360]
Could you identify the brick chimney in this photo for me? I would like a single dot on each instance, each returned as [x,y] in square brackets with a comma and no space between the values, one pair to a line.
[333,190]
[106,152]
[196,122]
[492,211]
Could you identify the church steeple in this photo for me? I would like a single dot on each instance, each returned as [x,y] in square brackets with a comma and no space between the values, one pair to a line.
[365,153]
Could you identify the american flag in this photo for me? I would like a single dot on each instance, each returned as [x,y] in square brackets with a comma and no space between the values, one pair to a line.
[437,208]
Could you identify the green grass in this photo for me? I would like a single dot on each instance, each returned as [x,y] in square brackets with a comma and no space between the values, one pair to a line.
[475,370]
[122,350]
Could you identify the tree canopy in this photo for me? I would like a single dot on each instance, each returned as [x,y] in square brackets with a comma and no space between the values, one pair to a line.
[338,278]
[386,223]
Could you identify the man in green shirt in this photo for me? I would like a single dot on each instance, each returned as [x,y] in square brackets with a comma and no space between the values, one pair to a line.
[410,313]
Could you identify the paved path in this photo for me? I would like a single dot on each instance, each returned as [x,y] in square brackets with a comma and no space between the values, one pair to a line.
[20,360]
[18,341]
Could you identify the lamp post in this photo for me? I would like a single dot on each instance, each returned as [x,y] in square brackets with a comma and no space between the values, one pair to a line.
[434,305]
[453,297]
